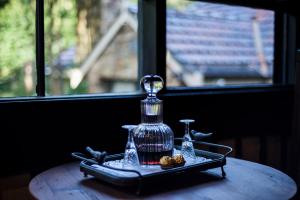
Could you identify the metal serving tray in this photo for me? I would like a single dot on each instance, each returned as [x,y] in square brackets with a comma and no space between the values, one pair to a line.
[130,177]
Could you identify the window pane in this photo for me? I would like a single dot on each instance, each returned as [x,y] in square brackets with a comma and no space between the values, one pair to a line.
[17,48]
[91,46]
[216,44]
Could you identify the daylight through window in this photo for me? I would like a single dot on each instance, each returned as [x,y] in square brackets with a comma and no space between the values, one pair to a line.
[216,44]
[91,46]
[17,48]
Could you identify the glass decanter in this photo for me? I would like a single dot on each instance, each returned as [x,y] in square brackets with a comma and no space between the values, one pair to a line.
[153,138]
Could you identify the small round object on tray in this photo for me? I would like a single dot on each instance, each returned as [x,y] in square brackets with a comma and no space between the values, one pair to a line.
[179,160]
[167,162]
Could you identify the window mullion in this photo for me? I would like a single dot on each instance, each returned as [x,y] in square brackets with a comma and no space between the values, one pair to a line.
[152,37]
[285,51]
[279,51]
[290,65]
[40,50]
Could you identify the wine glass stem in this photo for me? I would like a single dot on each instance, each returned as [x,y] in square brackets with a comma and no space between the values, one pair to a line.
[130,138]
[187,132]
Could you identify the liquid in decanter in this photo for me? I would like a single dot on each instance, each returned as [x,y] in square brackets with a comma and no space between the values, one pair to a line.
[153,138]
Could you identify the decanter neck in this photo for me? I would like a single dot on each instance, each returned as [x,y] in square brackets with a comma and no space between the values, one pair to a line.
[151,110]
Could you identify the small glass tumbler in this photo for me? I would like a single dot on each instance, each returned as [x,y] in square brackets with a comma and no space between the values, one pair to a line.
[187,147]
[131,159]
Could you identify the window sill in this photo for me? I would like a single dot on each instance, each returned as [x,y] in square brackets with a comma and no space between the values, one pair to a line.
[232,89]
[171,91]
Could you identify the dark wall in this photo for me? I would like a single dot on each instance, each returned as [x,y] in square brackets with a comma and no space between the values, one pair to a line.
[42,133]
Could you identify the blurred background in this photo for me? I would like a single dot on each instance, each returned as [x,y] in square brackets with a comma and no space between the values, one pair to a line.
[91,46]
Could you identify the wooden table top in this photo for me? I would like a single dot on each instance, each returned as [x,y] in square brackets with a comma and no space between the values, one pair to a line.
[244,180]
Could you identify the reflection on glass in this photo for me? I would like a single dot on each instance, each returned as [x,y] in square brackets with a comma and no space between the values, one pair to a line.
[91,46]
[217,44]
[17,48]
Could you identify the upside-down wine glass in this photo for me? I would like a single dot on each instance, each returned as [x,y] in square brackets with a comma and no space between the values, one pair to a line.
[131,159]
[187,147]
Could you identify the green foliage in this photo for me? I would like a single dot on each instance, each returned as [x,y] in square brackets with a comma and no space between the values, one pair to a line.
[60,27]
[178,4]
[17,36]
[17,43]
[13,85]
[60,34]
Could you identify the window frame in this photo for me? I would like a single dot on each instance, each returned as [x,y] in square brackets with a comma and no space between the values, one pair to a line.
[152,51]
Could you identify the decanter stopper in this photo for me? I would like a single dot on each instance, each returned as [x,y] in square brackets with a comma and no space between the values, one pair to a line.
[152,84]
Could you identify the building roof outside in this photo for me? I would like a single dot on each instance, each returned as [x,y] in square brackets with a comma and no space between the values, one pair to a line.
[218,40]
[214,39]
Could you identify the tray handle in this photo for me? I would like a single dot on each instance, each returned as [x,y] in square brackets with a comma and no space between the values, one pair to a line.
[83,157]
[228,148]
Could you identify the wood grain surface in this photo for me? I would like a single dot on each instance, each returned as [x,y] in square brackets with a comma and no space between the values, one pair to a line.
[244,180]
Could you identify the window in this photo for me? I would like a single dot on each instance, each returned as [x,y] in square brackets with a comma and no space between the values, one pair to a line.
[62,47]
[217,44]
[17,49]
[90,46]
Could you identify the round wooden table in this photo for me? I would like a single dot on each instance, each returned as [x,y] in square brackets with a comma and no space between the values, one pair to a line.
[244,180]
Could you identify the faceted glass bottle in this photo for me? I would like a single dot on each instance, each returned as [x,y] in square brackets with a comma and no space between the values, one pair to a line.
[153,138]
